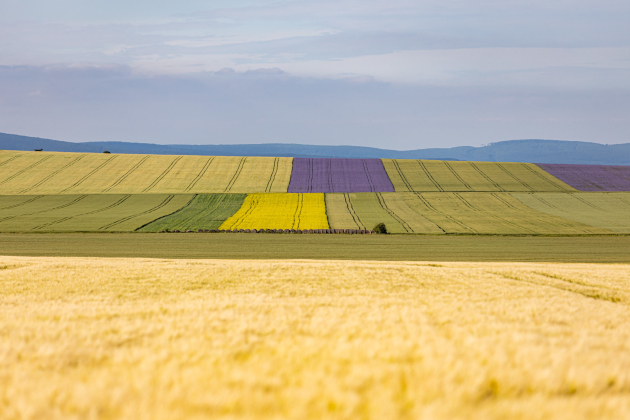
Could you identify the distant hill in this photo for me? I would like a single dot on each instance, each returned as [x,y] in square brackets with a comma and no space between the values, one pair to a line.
[537,151]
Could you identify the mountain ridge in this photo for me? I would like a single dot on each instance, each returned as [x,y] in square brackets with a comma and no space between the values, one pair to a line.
[529,150]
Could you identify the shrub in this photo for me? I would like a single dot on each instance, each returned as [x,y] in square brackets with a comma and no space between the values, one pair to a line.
[380,228]
[106,151]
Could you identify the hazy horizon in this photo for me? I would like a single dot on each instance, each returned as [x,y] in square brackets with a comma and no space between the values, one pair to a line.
[397,75]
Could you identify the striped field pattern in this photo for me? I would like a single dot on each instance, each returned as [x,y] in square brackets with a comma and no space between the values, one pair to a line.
[82,213]
[72,173]
[280,211]
[47,191]
[437,176]
[339,175]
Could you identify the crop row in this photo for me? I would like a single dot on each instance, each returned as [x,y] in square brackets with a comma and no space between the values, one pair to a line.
[30,173]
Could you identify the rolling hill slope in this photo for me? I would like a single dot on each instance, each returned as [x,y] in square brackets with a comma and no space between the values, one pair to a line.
[66,192]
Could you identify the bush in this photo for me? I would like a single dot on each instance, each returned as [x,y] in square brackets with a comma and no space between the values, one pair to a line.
[106,151]
[380,228]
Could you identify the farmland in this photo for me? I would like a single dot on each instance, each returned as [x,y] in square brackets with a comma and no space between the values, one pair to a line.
[131,338]
[471,213]
[435,176]
[72,173]
[592,177]
[205,211]
[606,210]
[75,192]
[96,212]
[280,211]
[502,292]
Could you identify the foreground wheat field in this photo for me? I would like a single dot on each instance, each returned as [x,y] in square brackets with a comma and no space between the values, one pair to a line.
[164,339]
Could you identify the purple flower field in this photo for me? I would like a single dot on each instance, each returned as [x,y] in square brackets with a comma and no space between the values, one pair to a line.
[591,177]
[339,175]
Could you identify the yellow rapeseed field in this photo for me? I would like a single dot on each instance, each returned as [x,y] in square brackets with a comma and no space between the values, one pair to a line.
[193,339]
[280,211]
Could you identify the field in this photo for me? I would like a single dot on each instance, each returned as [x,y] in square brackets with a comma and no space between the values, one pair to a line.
[503,291]
[606,210]
[102,212]
[72,173]
[592,177]
[162,339]
[435,176]
[610,249]
[472,213]
[339,175]
[205,211]
[280,211]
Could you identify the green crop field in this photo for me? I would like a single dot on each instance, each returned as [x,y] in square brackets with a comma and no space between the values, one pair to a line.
[102,212]
[205,211]
[32,173]
[429,175]
[473,213]
[605,210]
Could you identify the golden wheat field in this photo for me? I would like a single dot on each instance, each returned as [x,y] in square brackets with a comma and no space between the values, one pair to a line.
[85,338]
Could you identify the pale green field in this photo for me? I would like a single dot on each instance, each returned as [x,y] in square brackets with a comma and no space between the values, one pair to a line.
[77,213]
[605,210]
[92,173]
[472,213]
[180,339]
[431,175]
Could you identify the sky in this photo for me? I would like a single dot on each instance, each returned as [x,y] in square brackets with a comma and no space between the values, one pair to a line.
[396,74]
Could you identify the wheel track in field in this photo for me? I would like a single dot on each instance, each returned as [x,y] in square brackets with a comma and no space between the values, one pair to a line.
[200,175]
[51,175]
[428,174]
[21,171]
[355,216]
[22,203]
[621,199]
[331,184]
[129,172]
[517,179]
[65,219]
[552,206]
[459,178]
[163,174]
[311,175]
[272,178]
[404,224]
[10,160]
[151,210]
[402,175]
[577,197]
[503,200]
[239,169]
[76,200]
[253,204]
[298,212]
[367,174]
[486,177]
[452,219]
[560,187]
[89,174]
[494,216]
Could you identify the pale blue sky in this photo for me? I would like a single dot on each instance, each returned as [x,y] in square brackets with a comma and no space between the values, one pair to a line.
[397,74]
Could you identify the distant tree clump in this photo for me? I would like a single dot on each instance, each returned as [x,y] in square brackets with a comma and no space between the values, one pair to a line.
[380,228]
[106,151]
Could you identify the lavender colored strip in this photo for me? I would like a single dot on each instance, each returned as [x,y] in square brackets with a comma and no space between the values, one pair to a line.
[591,177]
[339,175]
